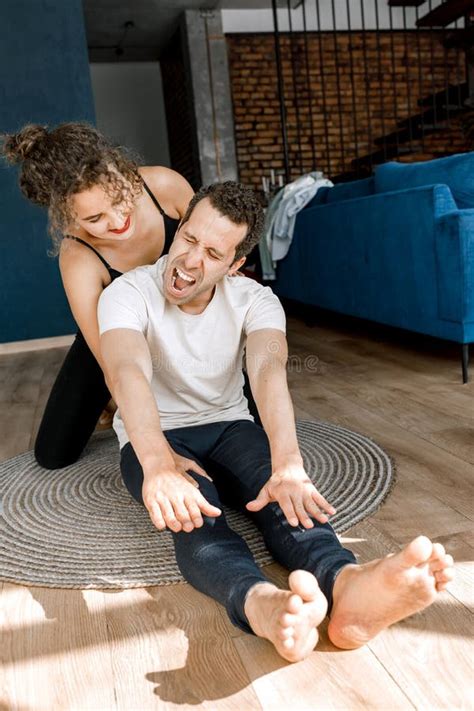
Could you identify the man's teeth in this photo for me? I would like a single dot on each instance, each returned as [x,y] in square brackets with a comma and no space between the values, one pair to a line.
[184,276]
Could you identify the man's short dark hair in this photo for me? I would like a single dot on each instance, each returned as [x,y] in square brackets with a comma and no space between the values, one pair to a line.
[240,204]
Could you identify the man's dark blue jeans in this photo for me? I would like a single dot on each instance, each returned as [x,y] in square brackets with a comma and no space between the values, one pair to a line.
[213,558]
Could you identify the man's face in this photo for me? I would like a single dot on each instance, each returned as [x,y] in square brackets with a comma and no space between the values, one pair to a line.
[202,253]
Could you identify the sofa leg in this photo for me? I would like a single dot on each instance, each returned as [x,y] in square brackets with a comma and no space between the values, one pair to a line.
[465,362]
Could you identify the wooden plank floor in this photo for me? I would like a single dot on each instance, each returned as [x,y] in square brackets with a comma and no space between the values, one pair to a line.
[171,647]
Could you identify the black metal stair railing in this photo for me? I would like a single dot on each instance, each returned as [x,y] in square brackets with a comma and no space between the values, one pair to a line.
[400,71]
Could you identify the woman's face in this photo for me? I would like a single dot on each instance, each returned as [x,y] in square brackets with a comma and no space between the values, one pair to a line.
[95,212]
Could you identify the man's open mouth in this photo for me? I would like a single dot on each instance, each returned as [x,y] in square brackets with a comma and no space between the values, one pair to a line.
[181,281]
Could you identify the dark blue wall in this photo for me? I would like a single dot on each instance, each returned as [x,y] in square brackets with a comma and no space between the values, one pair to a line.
[44,78]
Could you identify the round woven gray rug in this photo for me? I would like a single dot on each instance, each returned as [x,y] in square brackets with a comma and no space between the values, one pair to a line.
[78,527]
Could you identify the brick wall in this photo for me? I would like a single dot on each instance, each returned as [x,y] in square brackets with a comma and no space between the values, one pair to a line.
[350,107]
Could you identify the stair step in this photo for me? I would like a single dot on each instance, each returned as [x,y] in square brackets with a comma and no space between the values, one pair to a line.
[462,39]
[404,135]
[451,93]
[431,117]
[453,107]
[445,14]
[431,127]
[381,156]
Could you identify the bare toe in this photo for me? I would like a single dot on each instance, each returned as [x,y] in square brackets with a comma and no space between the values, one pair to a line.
[294,605]
[444,576]
[436,561]
[441,564]
[438,551]
[286,632]
[303,584]
[417,552]
[288,620]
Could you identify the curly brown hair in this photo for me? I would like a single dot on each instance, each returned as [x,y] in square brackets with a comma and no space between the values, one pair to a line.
[240,204]
[56,164]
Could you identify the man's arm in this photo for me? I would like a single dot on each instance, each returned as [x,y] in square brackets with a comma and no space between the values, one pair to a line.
[128,372]
[289,485]
[171,499]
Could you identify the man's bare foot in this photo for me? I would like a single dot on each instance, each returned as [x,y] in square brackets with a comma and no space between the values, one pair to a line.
[288,618]
[368,598]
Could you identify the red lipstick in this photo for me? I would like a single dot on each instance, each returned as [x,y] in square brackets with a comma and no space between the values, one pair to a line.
[124,228]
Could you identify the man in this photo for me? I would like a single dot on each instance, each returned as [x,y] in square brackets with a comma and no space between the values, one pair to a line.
[173,337]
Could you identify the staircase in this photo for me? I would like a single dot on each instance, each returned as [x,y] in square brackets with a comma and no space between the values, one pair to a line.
[446,14]
[442,111]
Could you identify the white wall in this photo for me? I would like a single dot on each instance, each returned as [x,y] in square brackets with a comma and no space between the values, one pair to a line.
[262,20]
[130,107]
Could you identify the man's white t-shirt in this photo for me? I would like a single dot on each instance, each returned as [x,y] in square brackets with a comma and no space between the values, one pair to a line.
[197,358]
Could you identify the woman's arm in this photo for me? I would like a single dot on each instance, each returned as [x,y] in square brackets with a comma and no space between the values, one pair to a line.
[83,284]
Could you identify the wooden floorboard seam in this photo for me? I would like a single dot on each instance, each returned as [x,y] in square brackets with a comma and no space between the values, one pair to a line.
[392,677]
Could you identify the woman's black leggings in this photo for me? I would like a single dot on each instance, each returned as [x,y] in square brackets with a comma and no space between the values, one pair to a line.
[75,404]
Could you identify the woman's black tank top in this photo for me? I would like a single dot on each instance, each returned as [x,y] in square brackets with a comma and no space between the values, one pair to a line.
[171,225]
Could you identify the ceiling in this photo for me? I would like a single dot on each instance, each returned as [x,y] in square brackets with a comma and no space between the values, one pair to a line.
[138,30]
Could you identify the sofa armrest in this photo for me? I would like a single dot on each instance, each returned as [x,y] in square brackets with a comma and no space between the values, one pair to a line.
[455,258]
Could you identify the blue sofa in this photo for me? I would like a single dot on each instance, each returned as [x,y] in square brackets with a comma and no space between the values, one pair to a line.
[396,248]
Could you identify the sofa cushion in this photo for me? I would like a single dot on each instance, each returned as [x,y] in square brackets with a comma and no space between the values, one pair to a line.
[457,172]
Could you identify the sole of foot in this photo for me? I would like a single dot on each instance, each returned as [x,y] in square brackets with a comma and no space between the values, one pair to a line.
[368,598]
[288,618]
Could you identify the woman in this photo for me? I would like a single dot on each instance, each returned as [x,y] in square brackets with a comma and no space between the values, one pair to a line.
[107,216]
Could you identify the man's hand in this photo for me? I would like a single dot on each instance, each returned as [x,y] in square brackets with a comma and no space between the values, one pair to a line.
[293,490]
[173,502]
[183,464]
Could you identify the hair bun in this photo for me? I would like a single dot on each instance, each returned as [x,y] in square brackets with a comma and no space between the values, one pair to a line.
[18,146]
